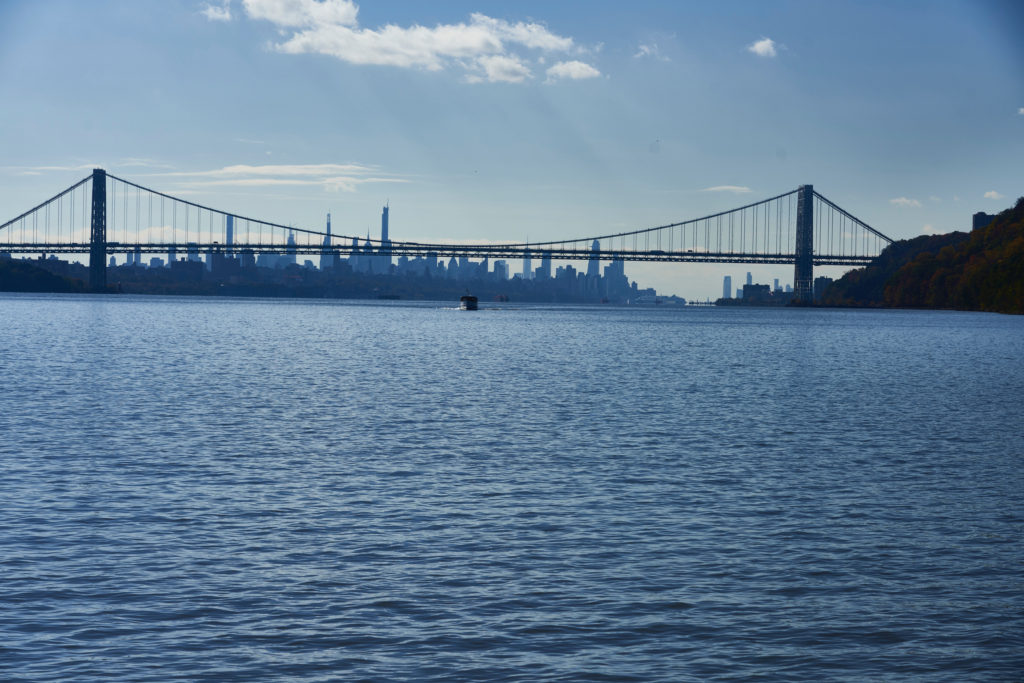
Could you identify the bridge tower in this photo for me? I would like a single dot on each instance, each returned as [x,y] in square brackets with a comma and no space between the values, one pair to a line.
[98,234]
[803,278]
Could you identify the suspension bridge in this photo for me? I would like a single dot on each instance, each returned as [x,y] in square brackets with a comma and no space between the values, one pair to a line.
[103,214]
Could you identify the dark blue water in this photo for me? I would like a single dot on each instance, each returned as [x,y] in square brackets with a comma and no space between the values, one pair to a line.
[235,490]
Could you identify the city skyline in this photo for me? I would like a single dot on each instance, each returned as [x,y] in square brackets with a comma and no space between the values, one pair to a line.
[524,122]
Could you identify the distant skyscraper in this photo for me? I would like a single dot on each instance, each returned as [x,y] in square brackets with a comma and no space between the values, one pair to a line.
[776,287]
[384,261]
[727,287]
[544,272]
[501,270]
[290,253]
[229,233]
[527,266]
[750,280]
[327,256]
[594,264]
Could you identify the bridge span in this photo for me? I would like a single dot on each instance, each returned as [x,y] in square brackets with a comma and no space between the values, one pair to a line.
[103,214]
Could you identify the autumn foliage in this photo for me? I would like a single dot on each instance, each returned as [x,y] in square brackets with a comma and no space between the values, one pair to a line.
[979,271]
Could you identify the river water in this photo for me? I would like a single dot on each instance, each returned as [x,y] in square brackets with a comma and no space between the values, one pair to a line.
[216,489]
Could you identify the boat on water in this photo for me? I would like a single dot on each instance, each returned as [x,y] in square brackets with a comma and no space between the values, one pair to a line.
[467,302]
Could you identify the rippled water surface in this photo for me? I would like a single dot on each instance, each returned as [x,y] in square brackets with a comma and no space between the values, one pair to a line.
[263,490]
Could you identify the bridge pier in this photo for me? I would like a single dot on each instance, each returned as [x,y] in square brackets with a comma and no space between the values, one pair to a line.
[803,278]
[98,232]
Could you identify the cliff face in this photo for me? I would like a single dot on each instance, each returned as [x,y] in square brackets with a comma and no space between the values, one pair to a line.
[980,271]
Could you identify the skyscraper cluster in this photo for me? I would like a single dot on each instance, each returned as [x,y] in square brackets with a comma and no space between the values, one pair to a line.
[375,257]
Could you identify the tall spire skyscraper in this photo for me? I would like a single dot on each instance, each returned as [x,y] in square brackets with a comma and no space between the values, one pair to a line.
[327,256]
[385,243]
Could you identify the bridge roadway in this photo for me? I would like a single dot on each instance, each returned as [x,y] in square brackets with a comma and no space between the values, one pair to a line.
[413,250]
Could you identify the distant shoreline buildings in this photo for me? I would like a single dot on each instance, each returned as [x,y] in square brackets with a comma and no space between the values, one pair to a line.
[232,266]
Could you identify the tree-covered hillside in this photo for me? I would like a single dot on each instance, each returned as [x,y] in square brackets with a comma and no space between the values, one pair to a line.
[979,271]
[23,276]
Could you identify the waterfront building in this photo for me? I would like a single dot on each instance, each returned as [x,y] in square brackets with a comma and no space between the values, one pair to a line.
[527,266]
[544,270]
[727,287]
[820,286]
[616,284]
[501,270]
[754,292]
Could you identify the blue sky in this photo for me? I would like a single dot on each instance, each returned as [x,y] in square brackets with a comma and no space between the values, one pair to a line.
[506,121]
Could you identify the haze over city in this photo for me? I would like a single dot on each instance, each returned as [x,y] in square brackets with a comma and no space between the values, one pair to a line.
[495,122]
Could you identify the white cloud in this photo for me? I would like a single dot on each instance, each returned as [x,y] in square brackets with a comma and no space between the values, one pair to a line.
[652,51]
[906,202]
[303,13]
[278,170]
[529,35]
[992,194]
[72,167]
[1021,111]
[333,183]
[500,68]
[735,189]
[483,46]
[574,70]
[215,13]
[332,177]
[928,230]
[933,198]
[763,48]
[110,165]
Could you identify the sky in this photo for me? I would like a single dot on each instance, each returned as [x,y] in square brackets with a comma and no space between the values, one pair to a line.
[511,121]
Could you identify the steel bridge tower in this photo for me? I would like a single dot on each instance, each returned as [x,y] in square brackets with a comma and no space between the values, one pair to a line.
[803,278]
[98,234]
